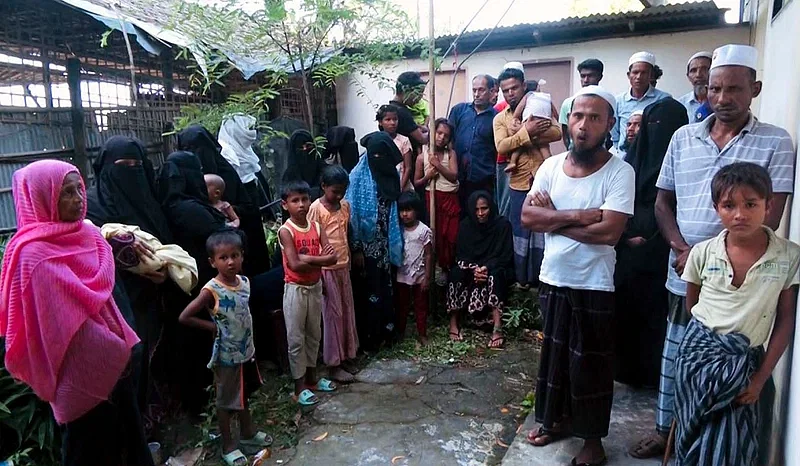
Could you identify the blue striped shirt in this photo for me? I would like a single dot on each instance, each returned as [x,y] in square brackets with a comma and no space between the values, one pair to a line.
[693,159]
[626,105]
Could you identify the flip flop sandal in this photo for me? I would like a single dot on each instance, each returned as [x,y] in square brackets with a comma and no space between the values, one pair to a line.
[261,439]
[596,463]
[552,437]
[457,335]
[325,385]
[235,458]
[494,340]
[306,398]
[648,448]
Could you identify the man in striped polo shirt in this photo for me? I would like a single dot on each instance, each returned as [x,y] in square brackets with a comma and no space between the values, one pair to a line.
[684,210]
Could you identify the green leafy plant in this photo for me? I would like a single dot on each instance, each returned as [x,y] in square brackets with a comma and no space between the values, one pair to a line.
[522,311]
[28,429]
[528,403]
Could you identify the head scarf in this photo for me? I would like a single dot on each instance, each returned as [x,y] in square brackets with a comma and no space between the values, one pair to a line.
[125,194]
[646,154]
[303,165]
[342,145]
[362,194]
[487,244]
[236,137]
[200,142]
[383,157]
[182,180]
[56,277]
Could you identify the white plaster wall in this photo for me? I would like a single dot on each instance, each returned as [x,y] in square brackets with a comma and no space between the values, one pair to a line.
[779,104]
[672,51]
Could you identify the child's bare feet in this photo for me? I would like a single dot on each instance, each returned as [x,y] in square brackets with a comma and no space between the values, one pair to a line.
[510,167]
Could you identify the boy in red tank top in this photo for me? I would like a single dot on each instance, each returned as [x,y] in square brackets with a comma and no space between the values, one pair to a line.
[305,252]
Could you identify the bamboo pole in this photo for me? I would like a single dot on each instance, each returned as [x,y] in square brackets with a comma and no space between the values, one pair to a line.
[431,140]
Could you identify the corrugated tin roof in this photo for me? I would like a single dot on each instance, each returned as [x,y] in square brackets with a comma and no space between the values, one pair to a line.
[654,20]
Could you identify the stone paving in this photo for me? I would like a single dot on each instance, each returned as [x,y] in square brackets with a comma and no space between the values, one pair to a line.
[406,413]
[632,416]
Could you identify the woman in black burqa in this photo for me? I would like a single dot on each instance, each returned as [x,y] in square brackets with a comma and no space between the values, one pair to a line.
[304,163]
[642,255]
[184,200]
[199,141]
[484,267]
[124,192]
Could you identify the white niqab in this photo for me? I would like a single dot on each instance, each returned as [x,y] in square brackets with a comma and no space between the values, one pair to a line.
[236,136]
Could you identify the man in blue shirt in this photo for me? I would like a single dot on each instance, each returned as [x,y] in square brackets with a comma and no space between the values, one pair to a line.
[697,70]
[474,139]
[641,67]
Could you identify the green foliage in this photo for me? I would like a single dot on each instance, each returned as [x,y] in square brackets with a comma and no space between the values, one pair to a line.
[28,429]
[522,311]
[320,40]
[253,103]
[528,403]
[440,348]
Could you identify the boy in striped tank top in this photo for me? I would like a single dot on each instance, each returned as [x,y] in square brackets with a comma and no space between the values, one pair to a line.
[305,251]
[227,298]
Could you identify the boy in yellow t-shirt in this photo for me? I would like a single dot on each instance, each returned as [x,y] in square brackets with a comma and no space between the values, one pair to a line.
[741,290]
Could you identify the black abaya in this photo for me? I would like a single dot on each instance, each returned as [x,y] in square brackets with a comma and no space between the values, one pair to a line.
[641,271]
[202,143]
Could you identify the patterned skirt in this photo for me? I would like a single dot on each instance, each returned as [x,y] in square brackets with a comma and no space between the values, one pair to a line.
[477,298]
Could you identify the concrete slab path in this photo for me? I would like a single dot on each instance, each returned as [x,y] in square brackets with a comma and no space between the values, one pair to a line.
[401,413]
[632,416]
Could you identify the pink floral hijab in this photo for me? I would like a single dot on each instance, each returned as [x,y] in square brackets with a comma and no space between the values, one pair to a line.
[57,276]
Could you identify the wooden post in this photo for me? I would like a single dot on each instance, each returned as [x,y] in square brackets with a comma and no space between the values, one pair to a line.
[81,159]
[166,71]
[48,89]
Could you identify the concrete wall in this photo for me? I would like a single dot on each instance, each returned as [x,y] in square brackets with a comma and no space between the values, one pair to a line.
[778,41]
[672,51]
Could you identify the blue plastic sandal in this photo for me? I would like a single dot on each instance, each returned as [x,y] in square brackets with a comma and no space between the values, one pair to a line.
[306,398]
[325,385]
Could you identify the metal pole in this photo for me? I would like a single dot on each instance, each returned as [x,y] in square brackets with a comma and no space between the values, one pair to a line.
[76,115]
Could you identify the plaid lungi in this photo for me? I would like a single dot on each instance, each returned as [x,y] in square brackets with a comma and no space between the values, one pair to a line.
[710,371]
[666,384]
[576,374]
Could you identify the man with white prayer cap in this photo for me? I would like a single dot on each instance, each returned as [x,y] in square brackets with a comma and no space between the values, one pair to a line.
[641,67]
[697,69]
[686,215]
[581,200]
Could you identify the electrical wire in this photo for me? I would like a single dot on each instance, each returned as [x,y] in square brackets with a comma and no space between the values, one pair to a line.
[477,47]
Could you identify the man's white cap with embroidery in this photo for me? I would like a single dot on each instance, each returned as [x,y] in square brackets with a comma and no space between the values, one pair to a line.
[701,54]
[637,112]
[645,57]
[599,92]
[514,65]
[538,105]
[735,55]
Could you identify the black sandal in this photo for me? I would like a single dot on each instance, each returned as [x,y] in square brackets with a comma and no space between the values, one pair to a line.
[596,463]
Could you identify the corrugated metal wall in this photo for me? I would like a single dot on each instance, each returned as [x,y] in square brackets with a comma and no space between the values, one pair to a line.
[29,135]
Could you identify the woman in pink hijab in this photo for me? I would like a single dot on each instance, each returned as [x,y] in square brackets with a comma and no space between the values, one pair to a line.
[65,335]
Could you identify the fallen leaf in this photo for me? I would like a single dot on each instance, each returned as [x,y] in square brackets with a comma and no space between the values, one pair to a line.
[504,410]
[396,459]
[297,418]
[321,437]
[501,443]
[419,380]
[519,428]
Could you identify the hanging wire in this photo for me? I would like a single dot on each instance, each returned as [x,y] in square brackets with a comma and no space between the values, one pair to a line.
[477,47]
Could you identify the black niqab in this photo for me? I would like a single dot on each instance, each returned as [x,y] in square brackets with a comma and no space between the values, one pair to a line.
[487,244]
[303,165]
[646,154]
[342,141]
[383,159]
[126,194]
[199,141]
